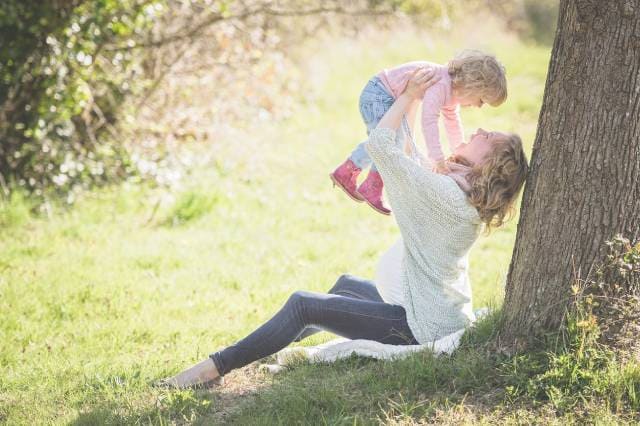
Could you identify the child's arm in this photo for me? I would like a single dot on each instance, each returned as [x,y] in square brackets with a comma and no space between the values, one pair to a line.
[453,127]
[411,119]
[432,103]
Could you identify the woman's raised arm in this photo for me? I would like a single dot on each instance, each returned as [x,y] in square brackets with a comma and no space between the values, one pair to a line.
[410,187]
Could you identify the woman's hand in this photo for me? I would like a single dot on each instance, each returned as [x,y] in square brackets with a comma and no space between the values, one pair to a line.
[419,82]
[442,168]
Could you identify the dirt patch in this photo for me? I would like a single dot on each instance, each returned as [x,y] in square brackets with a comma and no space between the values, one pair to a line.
[240,386]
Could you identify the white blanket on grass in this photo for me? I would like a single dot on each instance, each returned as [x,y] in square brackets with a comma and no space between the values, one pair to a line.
[343,348]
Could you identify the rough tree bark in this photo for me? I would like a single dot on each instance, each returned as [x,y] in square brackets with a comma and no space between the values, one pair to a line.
[584,183]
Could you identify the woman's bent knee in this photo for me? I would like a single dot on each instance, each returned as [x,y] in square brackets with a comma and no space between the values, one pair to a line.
[299,297]
[301,306]
[343,280]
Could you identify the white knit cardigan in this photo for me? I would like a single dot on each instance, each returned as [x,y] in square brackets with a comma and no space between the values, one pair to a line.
[438,227]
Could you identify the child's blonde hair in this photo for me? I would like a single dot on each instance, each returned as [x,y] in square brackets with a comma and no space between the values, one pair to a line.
[476,73]
[496,182]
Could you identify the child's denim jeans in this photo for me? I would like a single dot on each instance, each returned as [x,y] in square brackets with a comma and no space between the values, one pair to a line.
[375,101]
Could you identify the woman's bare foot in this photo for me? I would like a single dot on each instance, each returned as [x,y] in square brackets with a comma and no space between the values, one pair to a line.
[203,374]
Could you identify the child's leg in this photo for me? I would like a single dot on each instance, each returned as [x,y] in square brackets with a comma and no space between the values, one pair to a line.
[371,190]
[374,103]
[360,157]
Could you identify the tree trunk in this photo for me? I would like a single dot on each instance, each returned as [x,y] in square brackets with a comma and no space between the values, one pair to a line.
[584,181]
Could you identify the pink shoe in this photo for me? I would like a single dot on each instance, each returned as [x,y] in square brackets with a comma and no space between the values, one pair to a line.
[345,177]
[371,191]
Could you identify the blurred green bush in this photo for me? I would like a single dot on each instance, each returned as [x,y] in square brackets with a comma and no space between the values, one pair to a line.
[60,90]
[67,68]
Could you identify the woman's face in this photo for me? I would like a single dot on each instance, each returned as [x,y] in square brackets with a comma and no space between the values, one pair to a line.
[480,145]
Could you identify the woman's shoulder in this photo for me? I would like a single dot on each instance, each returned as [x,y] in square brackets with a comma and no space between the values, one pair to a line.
[458,199]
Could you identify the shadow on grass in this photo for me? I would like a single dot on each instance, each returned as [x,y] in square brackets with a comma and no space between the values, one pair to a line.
[169,407]
[146,404]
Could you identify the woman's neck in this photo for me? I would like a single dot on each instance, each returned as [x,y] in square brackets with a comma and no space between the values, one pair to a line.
[460,168]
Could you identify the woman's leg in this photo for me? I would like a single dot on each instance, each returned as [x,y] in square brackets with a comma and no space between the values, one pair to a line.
[358,288]
[348,286]
[344,316]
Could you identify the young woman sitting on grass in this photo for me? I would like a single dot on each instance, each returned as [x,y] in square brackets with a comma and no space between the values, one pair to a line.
[426,295]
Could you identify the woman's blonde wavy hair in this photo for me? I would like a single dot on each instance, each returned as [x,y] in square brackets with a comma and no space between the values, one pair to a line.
[476,73]
[496,182]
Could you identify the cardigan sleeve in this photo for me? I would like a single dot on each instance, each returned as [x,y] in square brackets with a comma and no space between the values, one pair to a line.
[408,184]
[428,207]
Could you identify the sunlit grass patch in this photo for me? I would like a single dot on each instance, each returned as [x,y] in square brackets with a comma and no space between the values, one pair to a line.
[190,206]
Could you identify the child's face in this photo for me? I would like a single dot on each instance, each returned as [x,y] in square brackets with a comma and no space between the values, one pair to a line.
[471,100]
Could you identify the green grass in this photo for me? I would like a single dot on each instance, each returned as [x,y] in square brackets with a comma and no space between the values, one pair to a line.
[475,385]
[98,301]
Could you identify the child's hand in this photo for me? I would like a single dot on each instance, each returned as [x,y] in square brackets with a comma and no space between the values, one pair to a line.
[442,168]
[420,81]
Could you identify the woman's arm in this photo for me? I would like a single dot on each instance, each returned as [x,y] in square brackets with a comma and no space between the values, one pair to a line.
[410,187]
[411,119]
[393,116]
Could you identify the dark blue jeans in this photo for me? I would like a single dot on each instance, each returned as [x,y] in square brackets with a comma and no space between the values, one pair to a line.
[352,309]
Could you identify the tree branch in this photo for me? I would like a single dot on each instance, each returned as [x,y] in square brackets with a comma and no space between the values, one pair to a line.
[193,32]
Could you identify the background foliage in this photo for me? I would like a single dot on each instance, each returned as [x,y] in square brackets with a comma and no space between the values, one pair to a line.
[61,89]
[93,92]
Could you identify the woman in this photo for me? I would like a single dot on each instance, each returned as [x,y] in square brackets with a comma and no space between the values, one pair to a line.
[426,295]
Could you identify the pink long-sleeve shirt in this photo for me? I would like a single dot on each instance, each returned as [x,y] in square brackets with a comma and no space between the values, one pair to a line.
[437,99]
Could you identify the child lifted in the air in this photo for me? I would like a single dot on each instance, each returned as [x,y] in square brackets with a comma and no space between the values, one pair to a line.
[472,78]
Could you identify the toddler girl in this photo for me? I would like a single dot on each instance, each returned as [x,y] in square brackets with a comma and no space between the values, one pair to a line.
[472,78]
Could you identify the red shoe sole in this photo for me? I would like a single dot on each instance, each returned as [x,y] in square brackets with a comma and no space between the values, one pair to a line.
[384,212]
[339,185]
